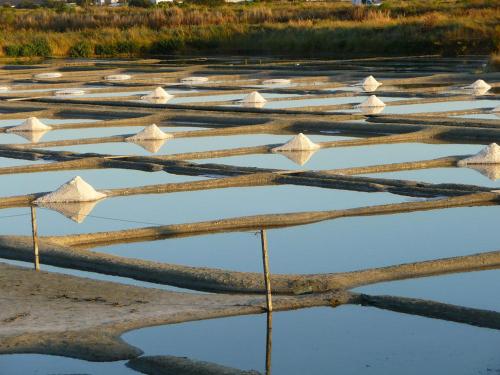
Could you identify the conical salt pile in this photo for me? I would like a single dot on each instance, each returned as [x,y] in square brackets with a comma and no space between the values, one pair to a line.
[479,85]
[152,146]
[372,101]
[76,211]
[298,157]
[194,80]
[370,81]
[49,75]
[67,92]
[150,133]
[158,94]
[254,97]
[4,88]
[277,81]
[488,155]
[76,190]
[118,77]
[31,124]
[298,143]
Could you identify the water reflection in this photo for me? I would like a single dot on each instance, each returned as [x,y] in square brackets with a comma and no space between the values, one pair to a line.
[32,137]
[152,146]
[75,211]
[492,171]
[298,157]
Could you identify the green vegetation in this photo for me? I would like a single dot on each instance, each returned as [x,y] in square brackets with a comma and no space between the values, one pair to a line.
[334,29]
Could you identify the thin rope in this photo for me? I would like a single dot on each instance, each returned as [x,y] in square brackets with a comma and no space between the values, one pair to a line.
[9,216]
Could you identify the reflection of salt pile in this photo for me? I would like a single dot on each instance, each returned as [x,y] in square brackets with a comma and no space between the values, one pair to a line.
[69,92]
[76,190]
[369,84]
[372,105]
[253,105]
[157,96]
[277,81]
[194,80]
[152,146]
[478,88]
[298,157]
[492,171]
[149,133]
[117,77]
[50,75]
[32,124]
[488,155]
[32,137]
[76,211]
[298,143]
[254,98]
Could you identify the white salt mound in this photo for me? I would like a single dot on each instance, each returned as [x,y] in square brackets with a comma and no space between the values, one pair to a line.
[488,155]
[76,190]
[372,101]
[370,81]
[117,77]
[194,80]
[277,81]
[150,133]
[31,124]
[479,85]
[254,97]
[158,94]
[50,75]
[69,92]
[298,143]
[4,88]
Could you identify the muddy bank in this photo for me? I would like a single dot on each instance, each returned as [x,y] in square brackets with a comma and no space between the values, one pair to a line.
[56,314]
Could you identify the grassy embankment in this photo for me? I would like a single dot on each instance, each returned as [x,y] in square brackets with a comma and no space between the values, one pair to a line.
[306,29]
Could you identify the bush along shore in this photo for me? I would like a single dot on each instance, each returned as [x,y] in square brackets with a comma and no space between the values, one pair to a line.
[334,29]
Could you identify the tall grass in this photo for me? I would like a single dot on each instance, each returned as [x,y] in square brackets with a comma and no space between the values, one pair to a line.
[328,28]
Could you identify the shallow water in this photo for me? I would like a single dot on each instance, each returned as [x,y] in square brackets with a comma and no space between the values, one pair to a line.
[466,175]
[333,246]
[192,144]
[434,107]
[62,134]
[46,121]
[344,340]
[346,157]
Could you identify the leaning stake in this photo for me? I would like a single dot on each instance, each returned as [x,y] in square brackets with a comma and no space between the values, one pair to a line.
[35,238]
[267,279]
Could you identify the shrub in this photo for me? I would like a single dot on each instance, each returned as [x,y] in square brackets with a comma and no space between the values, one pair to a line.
[167,46]
[37,47]
[81,49]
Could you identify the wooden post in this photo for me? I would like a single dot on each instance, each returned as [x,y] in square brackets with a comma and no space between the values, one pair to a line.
[267,277]
[35,239]
[269,341]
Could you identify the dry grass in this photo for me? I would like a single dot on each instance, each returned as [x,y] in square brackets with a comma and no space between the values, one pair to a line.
[443,27]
